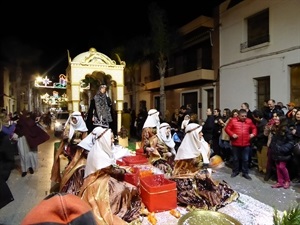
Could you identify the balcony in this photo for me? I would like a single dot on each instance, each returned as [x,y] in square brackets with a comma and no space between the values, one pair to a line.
[193,76]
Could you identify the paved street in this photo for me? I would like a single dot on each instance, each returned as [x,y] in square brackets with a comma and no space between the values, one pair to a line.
[31,189]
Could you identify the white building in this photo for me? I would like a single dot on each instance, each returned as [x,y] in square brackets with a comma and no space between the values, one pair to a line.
[259,52]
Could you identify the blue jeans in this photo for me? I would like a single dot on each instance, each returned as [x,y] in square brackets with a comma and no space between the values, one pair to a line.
[240,155]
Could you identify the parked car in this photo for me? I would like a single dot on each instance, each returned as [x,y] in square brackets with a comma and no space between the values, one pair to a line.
[59,122]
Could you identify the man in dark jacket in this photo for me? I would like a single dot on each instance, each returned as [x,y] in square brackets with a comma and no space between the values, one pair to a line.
[240,130]
[272,108]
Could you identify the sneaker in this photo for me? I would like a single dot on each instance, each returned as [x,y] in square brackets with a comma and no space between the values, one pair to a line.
[277,185]
[247,176]
[234,174]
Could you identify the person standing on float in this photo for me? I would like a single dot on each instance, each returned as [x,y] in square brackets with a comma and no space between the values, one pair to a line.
[99,113]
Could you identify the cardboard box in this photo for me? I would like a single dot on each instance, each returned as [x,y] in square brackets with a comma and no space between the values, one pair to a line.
[158,193]
[135,160]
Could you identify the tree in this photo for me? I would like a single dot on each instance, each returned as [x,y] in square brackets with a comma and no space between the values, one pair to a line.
[163,41]
[133,53]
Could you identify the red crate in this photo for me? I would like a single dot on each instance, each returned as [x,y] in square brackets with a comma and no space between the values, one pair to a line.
[134,177]
[135,160]
[120,163]
[158,193]
[139,152]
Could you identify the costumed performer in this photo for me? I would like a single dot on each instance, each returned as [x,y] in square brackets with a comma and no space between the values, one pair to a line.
[113,200]
[195,187]
[150,128]
[75,131]
[161,149]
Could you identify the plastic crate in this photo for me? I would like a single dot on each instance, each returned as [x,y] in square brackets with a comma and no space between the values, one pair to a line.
[140,152]
[134,177]
[158,193]
[120,163]
[135,160]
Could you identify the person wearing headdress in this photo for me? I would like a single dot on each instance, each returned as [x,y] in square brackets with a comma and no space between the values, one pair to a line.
[114,201]
[195,186]
[73,174]
[161,149]
[100,110]
[150,128]
[75,130]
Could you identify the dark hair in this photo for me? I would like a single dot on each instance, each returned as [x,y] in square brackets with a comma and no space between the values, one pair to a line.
[242,111]
[234,111]
[228,112]
[257,113]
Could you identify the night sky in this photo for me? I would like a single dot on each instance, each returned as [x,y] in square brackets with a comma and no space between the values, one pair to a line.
[45,30]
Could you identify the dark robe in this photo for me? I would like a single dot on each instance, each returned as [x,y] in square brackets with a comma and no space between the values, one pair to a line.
[100,112]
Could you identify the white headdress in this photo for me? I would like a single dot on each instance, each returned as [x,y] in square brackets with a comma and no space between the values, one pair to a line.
[152,119]
[80,125]
[192,146]
[101,154]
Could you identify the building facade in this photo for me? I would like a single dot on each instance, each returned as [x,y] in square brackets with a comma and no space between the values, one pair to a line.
[191,77]
[259,52]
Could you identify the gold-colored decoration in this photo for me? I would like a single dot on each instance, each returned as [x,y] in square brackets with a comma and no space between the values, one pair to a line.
[207,217]
[97,58]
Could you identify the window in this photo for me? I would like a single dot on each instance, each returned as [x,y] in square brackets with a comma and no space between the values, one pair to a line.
[258,28]
[262,91]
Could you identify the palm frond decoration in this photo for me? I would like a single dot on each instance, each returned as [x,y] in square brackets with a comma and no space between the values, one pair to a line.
[289,217]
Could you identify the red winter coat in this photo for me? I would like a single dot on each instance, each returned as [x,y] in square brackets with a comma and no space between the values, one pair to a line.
[243,129]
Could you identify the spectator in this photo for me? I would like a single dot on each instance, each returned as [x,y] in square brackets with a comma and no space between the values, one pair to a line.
[241,130]
[224,142]
[268,132]
[7,153]
[245,106]
[260,141]
[217,128]
[282,107]
[289,113]
[181,115]
[208,126]
[281,151]
[272,108]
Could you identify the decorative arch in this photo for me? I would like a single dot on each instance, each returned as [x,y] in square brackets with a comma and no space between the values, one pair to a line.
[93,65]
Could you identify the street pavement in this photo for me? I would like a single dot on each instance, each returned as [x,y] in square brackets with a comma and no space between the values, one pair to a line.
[28,191]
